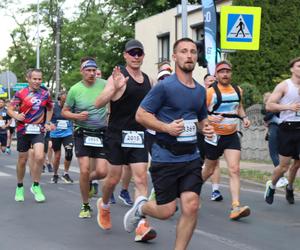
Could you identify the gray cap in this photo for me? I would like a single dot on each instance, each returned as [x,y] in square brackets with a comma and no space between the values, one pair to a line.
[133,44]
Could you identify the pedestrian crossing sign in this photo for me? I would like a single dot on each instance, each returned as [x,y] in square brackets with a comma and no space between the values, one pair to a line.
[240,27]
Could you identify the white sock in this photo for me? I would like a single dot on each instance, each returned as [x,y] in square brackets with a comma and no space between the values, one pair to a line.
[142,221]
[215,186]
[272,186]
[105,206]
[94,181]
[66,172]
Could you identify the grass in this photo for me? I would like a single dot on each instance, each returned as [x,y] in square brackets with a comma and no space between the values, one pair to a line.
[259,176]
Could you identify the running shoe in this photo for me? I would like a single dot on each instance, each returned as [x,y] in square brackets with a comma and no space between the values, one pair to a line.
[103,216]
[54,179]
[67,179]
[112,199]
[8,151]
[132,217]
[239,212]
[216,196]
[19,196]
[282,182]
[125,197]
[144,232]
[269,193]
[38,193]
[85,212]
[289,195]
[93,189]
[50,168]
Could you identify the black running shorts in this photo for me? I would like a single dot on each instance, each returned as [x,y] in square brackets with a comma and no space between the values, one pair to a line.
[65,141]
[225,142]
[25,142]
[289,145]
[171,179]
[117,155]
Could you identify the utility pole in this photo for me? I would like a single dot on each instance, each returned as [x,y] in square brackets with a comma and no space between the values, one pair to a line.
[184,17]
[38,36]
[57,41]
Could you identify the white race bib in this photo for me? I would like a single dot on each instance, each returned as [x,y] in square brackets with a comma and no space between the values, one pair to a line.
[132,139]
[93,141]
[62,124]
[32,129]
[213,141]
[2,123]
[190,132]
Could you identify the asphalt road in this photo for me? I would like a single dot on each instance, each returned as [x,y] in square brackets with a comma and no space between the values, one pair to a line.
[55,223]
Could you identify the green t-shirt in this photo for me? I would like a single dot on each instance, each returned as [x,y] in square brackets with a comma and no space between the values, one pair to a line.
[82,98]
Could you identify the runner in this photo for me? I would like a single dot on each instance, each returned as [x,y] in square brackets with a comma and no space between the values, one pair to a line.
[176,163]
[89,128]
[35,111]
[62,135]
[5,122]
[225,109]
[124,140]
[286,100]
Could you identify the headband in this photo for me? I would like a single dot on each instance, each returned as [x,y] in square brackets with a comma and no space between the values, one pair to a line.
[88,64]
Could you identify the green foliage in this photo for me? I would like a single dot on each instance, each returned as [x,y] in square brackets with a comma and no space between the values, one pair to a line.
[279,43]
[251,94]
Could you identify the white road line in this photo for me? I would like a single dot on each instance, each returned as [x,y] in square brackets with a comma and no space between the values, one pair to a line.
[228,242]
[2,174]
[72,169]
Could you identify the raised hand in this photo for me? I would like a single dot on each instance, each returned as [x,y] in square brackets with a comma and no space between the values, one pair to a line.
[119,79]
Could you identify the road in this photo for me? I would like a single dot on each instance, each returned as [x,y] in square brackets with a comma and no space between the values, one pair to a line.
[55,223]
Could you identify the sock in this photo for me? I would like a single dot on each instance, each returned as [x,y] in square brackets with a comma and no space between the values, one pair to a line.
[66,172]
[35,184]
[94,181]
[20,185]
[235,204]
[105,206]
[215,186]
[272,186]
[290,186]
[142,221]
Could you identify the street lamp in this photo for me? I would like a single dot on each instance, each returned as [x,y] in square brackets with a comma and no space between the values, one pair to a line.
[38,36]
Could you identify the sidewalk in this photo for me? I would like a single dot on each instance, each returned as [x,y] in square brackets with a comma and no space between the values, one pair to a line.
[263,167]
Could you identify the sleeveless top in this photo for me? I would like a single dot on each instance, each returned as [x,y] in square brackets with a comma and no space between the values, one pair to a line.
[122,115]
[292,96]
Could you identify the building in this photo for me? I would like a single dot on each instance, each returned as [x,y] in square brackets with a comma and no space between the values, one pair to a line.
[159,32]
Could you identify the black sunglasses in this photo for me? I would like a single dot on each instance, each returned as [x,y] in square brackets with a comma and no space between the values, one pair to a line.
[135,52]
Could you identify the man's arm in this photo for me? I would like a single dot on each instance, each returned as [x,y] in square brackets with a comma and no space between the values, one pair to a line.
[273,101]
[205,128]
[148,120]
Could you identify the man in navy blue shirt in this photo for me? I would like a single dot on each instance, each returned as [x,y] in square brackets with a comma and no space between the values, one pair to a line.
[175,108]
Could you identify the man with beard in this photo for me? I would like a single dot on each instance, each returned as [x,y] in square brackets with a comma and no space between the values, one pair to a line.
[176,163]
[89,128]
[225,109]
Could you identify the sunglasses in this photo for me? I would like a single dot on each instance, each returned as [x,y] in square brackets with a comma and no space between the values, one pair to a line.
[135,52]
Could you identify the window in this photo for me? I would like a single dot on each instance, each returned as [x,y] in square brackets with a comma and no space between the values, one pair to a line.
[163,47]
[198,31]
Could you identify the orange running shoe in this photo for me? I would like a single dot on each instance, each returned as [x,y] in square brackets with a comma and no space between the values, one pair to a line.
[103,216]
[144,232]
[239,212]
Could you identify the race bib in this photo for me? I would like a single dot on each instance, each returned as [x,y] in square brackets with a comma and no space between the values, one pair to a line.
[2,123]
[32,129]
[132,139]
[62,124]
[93,141]
[213,141]
[190,132]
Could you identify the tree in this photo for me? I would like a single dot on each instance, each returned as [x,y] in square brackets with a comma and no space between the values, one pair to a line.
[279,43]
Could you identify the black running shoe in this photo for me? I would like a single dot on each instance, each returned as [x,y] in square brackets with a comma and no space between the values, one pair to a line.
[289,195]
[54,179]
[67,179]
[269,193]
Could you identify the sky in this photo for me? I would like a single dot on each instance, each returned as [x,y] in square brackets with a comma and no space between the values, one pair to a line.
[8,24]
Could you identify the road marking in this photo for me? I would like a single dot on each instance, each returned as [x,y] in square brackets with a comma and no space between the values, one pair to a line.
[2,174]
[72,169]
[228,242]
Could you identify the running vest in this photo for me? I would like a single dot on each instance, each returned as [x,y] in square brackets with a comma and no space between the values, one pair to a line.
[220,101]
[292,96]
[122,116]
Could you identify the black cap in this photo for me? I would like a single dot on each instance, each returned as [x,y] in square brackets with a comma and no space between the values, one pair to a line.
[133,44]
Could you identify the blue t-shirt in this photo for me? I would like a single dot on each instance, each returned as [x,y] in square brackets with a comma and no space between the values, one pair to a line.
[64,127]
[170,100]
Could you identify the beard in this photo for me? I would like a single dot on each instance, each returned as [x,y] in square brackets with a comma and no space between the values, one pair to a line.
[187,68]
